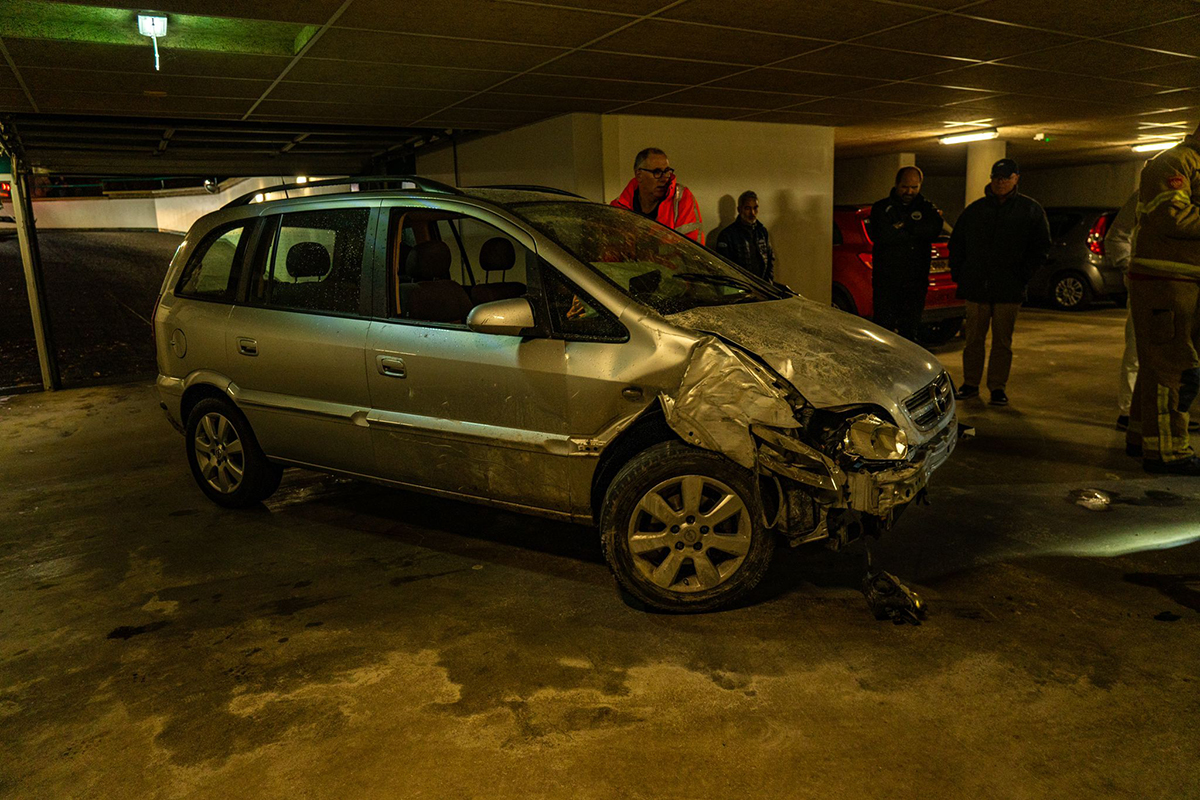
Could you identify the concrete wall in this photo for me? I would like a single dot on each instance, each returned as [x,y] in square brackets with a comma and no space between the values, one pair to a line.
[789,166]
[1107,184]
[95,212]
[562,153]
[947,192]
[865,180]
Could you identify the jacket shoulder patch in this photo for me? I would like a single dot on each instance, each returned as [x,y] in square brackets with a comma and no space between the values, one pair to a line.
[1176,182]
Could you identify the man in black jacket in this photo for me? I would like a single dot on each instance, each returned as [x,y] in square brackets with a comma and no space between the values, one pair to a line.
[745,242]
[997,244]
[904,226]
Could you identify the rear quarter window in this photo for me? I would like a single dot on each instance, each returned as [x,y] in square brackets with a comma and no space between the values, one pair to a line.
[212,270]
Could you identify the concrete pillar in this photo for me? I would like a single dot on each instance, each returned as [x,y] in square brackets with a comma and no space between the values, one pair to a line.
[980,157]
[32,262]
[865,180]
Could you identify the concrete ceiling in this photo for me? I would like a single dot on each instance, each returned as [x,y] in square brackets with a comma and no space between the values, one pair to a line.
[1093,76]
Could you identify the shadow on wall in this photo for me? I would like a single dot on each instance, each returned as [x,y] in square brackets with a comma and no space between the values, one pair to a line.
[796,229]
[726,214]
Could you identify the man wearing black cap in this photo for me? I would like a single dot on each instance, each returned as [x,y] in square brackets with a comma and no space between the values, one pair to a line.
[998,243]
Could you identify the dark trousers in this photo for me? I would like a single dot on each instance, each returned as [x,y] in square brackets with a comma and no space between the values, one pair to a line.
[1002,319]
[899,304]
[1166,321]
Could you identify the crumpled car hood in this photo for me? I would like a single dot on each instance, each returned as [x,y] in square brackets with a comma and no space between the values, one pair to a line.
[832,358]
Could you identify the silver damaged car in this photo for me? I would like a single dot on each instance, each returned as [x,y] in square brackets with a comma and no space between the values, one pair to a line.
[529,350]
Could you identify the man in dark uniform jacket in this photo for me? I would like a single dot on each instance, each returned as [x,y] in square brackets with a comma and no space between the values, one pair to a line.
[998,243]
[745,242]
[904,226]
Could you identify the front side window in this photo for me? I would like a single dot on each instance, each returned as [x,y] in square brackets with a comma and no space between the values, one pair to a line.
[650,262]
[211,273]
[313,261]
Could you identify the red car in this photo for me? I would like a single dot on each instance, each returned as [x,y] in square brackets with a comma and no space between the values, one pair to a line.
[944,313]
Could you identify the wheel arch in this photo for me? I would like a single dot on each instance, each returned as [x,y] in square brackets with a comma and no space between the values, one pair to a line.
[649,429]
[194,394]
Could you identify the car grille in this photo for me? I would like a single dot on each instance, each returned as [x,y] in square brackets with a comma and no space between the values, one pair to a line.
[928,406]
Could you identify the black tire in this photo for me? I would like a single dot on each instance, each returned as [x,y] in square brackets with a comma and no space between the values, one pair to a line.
[842,300]
[226,461]
[1069,291]
[938,333]
[698,567]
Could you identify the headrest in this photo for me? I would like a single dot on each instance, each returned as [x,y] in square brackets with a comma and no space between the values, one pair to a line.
[497,255]
[431,262]
[308,260]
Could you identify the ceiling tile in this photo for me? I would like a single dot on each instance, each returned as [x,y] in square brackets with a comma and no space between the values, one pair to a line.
[468,117]
[799,118]
[14,100]
[482,19]
[1095,57]
[966,38]
[842,20]
[999,78]
[1103,16]
[628,91]
[316,12]
[638,7]
[7,79]
[919,93]
[694,112]
[851,107]
[546,103]
[78,102]
[779,80]
[1179,75]
[871,62]
[370,95]
[123,58]
[430,51]
[371,73]
[682,40]
[52,80]
[1176,37]
[736,98]
[587,63]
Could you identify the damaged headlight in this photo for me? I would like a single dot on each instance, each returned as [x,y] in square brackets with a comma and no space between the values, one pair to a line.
[870,437]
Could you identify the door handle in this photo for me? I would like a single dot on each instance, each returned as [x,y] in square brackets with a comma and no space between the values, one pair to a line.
[247,347]
[390,366]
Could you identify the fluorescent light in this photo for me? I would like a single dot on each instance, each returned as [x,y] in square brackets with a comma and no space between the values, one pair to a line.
[1152,147]
[258,198]
[301,179]
[973,136]
[152,25]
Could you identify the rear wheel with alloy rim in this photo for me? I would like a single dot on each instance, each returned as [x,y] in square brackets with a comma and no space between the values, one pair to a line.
[682,529]
[1071,292]
[225,458]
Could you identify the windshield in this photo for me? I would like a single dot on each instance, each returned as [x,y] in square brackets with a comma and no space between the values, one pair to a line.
[650,262]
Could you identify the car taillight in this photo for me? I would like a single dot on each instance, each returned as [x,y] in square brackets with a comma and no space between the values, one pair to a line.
[5,189]
[1096,235]
[866,259]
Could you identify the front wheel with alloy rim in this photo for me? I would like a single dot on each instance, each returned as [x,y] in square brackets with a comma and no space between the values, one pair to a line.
[682,529]
[1071,292]
[225,458]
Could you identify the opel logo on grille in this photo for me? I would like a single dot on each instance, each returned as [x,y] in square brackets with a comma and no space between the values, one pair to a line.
[941,397]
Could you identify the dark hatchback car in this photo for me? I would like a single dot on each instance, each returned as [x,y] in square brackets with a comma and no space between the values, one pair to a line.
[1077,273]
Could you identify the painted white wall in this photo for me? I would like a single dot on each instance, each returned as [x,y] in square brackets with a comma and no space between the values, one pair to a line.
[865,180]
[980,157]
[947,192]
[789,166]
[1092,185]
[94,212]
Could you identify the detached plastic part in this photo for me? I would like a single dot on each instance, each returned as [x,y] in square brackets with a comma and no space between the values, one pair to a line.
[888,598]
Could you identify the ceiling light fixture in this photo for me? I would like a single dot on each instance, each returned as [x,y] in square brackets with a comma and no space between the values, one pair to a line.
[153,26]
[1151,147]
[973,136]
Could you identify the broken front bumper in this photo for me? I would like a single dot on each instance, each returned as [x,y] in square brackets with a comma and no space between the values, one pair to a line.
[879,492]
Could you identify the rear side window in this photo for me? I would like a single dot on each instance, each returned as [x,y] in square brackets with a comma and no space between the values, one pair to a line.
[1061,223]
[212,272]
[312,261]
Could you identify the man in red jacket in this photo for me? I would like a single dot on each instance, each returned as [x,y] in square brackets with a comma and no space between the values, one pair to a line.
[654,193]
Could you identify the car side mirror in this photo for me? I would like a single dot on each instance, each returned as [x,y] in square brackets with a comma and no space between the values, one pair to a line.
[510,317]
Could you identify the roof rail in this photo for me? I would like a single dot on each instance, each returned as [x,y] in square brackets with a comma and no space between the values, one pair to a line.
[521,187]
[365,183]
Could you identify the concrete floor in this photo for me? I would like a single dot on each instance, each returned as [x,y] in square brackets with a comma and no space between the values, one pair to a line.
[354,641]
